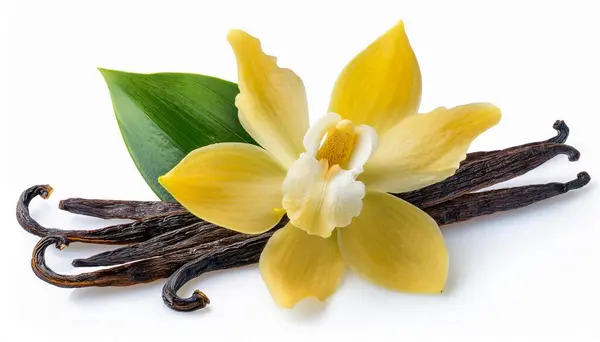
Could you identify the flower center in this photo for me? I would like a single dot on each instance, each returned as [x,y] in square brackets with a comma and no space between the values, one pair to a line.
[338,144]
[320,190]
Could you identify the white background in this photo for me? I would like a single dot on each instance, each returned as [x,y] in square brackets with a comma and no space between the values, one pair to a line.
[529,275]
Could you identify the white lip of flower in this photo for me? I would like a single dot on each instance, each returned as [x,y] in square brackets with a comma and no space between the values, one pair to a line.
[320,190]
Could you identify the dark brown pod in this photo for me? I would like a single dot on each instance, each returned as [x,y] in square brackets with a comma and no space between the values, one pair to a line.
[487,171]
[115,209]
[120,234]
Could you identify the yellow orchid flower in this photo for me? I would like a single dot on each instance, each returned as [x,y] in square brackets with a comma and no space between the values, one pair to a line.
[333,179]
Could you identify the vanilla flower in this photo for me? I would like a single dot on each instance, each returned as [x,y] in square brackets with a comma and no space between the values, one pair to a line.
[334,179]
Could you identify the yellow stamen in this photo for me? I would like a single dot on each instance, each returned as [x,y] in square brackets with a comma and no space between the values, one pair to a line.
[338,144]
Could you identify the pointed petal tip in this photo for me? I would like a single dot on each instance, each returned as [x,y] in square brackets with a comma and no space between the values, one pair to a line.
[492,110]
[162,179]
[483,105]
[484,109]
[400,25]
[166,181]
[398,30]
[489,105]
[237,38]
[286,303]
[234,34]
[291,304]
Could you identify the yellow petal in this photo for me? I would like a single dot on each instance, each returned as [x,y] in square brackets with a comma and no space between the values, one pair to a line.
[295,265]
[234,185]
[395,245]
[381,85]
[425,149]
[272,101]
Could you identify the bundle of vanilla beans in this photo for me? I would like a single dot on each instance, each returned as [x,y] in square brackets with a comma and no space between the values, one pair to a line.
[166,241]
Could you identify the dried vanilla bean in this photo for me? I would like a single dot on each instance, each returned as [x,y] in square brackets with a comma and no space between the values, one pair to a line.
[24,217]
[125,275]
[562,133]
[117,209]
[244,252]
[137,231]
[141,271]
[484,172]
[199,235]
[489,202]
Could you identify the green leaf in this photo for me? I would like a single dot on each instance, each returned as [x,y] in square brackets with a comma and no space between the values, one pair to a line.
[164,116]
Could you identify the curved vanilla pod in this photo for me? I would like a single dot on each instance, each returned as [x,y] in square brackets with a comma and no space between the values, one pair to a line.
[562,133]
[243,252]
[125,275]
[126,233]
[485,172]
[489,202]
